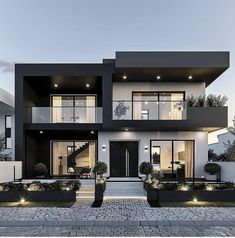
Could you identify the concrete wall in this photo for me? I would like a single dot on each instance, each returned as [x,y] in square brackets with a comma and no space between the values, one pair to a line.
[7,170]
[201,148]
[227,171]
[123,91]
[219,147]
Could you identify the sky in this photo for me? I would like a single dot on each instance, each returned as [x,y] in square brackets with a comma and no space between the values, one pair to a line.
[90,30]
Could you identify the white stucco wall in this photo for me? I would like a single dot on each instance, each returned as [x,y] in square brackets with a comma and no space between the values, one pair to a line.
[201,147]
[7,170]
[227,171]
[123,91]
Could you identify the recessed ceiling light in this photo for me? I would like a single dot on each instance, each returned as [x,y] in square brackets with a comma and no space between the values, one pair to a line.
[92,132]
[56,85]
[126,129]
[190,77]
[158,77]
[124,77]
[41,132]
[88,85]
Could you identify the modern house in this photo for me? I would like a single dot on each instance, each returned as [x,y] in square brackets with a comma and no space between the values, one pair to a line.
[122,111]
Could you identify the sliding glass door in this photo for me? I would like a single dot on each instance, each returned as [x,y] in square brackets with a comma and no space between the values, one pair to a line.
[73,108]
[73,157]
[158,105]
[173,158]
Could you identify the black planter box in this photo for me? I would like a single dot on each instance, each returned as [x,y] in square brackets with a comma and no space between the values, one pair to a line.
[38,196]
[99,191]
[183,196]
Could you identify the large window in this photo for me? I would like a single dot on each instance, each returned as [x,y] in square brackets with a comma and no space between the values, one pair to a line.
[173,158]
[158,105]
[73,157]
[74,108]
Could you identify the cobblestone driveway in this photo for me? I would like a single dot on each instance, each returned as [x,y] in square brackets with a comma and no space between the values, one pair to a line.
[117,218]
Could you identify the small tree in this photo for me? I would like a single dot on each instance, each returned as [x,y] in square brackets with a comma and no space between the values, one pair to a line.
[231,129]
[100,168]
[40,169]
[212,156]
[230,150]
[146,168]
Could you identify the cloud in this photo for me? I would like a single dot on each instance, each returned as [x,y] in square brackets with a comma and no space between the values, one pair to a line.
[6,66]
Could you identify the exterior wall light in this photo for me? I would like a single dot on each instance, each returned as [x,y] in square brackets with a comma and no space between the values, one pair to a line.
[146,148]
[104,147]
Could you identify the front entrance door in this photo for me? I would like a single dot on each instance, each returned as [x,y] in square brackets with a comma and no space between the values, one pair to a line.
[124,159]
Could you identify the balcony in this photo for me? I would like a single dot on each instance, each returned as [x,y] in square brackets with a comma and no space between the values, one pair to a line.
[64,115]
[149,110]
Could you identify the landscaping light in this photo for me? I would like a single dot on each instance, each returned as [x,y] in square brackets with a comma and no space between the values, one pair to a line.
[22,200]
[195,200]
[209,188]
[67,188]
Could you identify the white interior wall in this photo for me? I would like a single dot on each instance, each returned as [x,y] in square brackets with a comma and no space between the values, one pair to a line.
[124,90]
[201,147]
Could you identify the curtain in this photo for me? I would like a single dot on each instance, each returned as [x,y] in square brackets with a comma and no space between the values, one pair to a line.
[188,159]
[90,109]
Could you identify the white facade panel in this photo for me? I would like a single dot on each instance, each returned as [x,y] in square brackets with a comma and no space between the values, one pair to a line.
[123,91]
[200,138]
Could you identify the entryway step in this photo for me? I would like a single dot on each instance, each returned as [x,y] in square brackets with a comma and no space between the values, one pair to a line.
[124,190]
[86,192]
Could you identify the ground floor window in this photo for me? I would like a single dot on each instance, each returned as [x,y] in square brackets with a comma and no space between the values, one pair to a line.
[73,157]
[173,158]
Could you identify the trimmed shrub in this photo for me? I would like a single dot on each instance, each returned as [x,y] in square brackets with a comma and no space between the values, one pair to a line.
[212,168]
[146,168]
[100,168]
[40,169]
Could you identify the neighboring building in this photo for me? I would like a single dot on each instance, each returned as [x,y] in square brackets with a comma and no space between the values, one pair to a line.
[123,111]
[219,147]
[6,126]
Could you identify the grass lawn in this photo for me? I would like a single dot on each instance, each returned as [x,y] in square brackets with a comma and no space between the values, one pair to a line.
[36,204]
[197,204]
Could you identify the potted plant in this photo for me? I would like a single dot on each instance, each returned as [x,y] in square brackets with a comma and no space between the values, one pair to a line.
[146,168]
[40,170]
[100,186]
[212,169]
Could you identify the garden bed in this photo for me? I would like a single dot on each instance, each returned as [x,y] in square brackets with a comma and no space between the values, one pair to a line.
[59,191]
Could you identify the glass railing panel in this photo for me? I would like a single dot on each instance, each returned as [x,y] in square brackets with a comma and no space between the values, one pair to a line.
[64,114]
[149,110]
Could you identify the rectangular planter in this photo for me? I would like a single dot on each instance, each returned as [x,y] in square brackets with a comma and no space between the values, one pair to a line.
[183,196]
[38,196]
[99,191]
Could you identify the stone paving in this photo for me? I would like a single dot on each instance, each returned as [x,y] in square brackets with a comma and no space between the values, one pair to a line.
[117,218]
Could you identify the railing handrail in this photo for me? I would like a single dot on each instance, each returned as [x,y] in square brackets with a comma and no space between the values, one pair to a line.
[148,100]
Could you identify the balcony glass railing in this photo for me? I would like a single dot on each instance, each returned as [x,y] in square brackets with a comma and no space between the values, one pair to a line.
[149,110]
[63,114]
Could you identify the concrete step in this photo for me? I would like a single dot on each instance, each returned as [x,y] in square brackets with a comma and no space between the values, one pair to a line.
[126,190]
[86,191]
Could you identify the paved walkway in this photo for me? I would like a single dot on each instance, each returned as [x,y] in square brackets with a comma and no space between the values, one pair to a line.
[117,218]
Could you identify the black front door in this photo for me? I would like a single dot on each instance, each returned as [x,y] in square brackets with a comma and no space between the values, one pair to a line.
[124,159]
